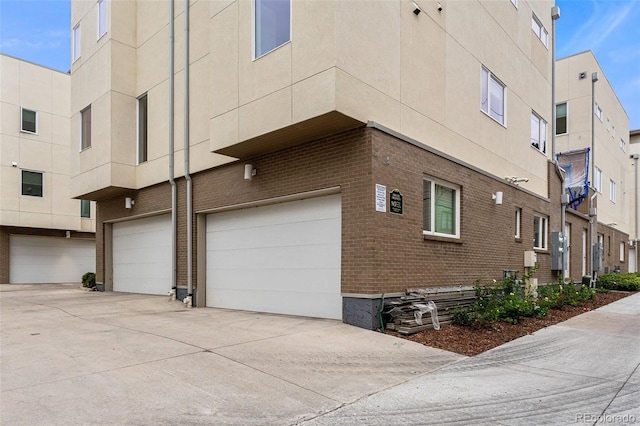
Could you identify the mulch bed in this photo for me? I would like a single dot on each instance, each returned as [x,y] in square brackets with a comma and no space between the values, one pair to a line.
[469,341]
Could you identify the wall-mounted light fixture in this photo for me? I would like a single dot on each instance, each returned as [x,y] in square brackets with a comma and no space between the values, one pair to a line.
[249,172]
[497,197]
[416,9]
[129,202]
[14,164]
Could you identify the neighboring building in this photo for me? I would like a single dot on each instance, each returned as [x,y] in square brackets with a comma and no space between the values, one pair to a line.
[609,162]
[339,151]
[45,235]
[634,156]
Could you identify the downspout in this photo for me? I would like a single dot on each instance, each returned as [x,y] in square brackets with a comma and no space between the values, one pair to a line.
[189,299]
[592,215]
[555,15]
[172,182]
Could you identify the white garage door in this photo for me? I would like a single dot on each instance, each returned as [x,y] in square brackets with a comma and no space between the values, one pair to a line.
[282,258]
[142,255]
[35,259]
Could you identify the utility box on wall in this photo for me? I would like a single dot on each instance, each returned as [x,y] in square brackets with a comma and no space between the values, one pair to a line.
[530,259]
[558,248]
[597,256]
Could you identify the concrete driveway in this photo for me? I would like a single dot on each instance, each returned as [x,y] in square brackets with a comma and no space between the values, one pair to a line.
[72,357]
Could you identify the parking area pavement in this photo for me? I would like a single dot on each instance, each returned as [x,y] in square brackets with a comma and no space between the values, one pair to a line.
[583,371]
[71,357]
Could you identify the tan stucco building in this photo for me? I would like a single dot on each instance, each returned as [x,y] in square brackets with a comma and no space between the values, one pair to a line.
[45,235]
[609,162]
[335,151]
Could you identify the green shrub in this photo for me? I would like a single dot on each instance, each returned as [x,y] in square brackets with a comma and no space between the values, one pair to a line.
[506,301]
[89,279]
[624,282]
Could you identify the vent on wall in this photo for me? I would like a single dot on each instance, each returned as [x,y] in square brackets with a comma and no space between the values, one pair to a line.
[582,75]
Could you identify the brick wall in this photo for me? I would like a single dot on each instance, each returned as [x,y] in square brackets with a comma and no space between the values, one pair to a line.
[381,252]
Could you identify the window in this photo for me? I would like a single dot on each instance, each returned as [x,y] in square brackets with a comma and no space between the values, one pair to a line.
[539,30]
[142,129]
[515,3]
[441,208]
[76,43]
[538,133]
[623,145]
[540,232]
[561,119]
[102,18]
[31,183]
[85,208]
[85,129]
[622,248]
[492,97]
[518,219]
[597,181]
[272,19]
[598,111]
[29,120]
[612,190]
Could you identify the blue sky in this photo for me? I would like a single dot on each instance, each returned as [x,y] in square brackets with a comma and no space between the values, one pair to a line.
[39,31]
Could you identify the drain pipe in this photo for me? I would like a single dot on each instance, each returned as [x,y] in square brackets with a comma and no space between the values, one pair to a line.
[172,182]
[188,301]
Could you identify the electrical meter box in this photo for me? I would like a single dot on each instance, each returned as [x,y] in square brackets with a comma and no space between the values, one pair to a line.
[530,259]
[558,248]
[597,256]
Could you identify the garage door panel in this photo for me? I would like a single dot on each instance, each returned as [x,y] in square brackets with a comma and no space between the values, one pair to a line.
[267,301]
[302,281]
[38,259]
[142,255]
[281,258]
[300,257]
[300,233]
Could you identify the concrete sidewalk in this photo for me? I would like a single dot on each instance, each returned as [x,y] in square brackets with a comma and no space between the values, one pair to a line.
[582,371]
[72,357]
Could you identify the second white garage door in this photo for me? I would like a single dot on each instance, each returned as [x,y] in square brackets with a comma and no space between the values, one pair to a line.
[281,258]
[142,255]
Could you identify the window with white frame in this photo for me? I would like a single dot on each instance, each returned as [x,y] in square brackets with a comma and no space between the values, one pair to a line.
[598,111]
[272,20]
[612,190]
[85,128]
[518,220]
[441,208]
[561,118]
[76,51]
[102,18]
[539,30]
[29,121]
[538,133]
[623,145]
[540,232]
[597,179]
[85,209]
[143,146]
[31,183]
[493,96]
[622,249]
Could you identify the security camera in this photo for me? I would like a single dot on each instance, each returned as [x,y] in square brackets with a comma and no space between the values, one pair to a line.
[439,7]
[416,9]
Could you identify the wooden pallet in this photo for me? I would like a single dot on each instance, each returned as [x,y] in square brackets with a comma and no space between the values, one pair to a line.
[446,299]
